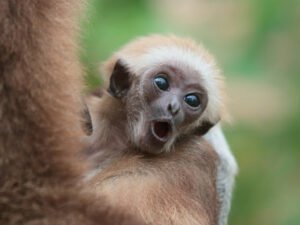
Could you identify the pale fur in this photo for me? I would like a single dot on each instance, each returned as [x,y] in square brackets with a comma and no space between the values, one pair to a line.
[227,170]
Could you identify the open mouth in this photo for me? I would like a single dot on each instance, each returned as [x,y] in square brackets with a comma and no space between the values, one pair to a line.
[161,130]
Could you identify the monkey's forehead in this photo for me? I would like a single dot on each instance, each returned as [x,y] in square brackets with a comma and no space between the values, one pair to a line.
[148,52]
[170,55]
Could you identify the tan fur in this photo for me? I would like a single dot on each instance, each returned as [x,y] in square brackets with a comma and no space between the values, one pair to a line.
[40,85]
[176,188]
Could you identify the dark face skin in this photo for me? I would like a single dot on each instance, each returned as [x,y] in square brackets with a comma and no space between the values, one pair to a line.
[172,99]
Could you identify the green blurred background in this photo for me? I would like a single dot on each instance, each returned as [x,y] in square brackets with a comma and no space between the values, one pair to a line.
[257,44]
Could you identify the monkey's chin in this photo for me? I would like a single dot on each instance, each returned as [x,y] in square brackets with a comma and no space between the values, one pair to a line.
[152,148]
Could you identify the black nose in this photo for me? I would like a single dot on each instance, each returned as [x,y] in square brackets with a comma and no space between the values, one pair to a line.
[174,106]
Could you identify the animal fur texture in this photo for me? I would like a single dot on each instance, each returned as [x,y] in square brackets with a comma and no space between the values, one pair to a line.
[40,133]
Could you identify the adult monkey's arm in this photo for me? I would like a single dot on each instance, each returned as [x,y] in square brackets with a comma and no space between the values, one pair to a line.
[40,85]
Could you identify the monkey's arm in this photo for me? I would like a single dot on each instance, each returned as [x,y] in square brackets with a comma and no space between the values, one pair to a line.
[227,170]
[40,84]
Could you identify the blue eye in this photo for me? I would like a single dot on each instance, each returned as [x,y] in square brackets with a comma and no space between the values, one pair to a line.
[192,100]
[162,83]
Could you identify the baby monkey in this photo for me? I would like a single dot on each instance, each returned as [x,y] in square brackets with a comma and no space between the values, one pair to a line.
[164,94]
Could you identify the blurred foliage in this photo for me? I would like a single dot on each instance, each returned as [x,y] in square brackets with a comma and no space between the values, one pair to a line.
[253,40]
[109,25]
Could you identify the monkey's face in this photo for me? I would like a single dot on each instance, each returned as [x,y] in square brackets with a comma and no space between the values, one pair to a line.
[173,101]
[170,87]
[161,104]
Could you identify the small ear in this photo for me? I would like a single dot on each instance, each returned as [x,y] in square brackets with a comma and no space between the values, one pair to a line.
[120,80]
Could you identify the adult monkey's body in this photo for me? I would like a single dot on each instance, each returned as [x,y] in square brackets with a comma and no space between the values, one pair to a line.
[40,85]
[165,92]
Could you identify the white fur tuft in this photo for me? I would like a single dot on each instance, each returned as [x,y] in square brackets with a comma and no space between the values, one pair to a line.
[227,170]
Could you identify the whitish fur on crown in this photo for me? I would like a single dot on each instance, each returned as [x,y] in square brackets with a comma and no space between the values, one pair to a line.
[147,52]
